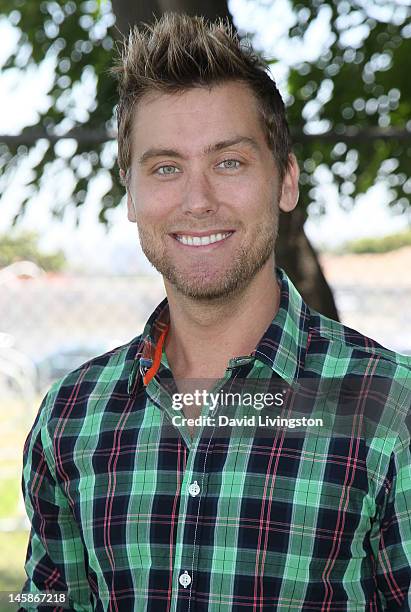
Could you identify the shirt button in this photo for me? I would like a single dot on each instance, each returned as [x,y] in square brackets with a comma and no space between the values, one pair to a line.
[194,489]
[185,579]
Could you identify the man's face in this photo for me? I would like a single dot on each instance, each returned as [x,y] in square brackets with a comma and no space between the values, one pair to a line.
[206,189]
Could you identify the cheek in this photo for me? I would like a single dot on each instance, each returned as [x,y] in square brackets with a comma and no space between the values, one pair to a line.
[151,210]
[254,189]
[153,219]
[255,201]
[156,200]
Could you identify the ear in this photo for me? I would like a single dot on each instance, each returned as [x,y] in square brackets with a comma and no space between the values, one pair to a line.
[131,213]
[290,193]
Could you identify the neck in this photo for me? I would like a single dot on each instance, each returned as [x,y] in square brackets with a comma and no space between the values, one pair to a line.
[204,335]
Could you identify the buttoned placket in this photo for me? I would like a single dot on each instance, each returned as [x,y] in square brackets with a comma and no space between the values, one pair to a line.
[193,492]
[193,488]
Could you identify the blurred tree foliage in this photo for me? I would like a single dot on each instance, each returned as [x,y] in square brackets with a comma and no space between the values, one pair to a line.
[77,38]
[349,108]
[25,247]
[361,79]
[392,242]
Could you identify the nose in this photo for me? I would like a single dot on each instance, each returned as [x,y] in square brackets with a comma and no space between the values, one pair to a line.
[199,198]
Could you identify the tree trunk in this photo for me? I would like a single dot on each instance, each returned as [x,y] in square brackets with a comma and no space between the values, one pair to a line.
[140,11]
[294,252]
[296,255]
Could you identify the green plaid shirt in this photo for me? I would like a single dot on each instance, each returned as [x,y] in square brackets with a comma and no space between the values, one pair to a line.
[129,513]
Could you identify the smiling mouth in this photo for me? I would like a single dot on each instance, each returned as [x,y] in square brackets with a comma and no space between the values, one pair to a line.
[198,241]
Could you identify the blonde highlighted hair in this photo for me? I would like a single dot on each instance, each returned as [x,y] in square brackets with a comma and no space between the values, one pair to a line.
[178,52]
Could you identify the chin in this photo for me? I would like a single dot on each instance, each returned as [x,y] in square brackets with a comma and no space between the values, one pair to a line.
[207,291]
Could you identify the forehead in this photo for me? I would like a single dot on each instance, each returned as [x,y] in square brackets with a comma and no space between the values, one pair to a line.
[196,117]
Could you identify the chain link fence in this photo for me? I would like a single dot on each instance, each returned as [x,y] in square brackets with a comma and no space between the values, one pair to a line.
[51,323]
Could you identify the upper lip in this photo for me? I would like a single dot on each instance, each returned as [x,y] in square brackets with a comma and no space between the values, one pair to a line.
[200,234]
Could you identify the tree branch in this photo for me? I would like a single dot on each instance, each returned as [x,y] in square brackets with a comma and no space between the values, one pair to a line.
[84,136]
[353,134]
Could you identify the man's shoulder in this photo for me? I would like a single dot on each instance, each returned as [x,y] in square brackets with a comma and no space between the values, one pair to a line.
[350,343]
[111,359]
[109,371]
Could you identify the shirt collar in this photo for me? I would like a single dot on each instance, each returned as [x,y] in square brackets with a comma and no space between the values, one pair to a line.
[284,344]
[282,347]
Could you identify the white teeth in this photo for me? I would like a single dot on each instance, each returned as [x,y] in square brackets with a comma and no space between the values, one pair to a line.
[202,240]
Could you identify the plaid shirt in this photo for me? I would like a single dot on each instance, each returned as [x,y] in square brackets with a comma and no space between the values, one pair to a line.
[129,513]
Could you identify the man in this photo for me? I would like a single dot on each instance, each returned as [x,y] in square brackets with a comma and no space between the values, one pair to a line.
[135,502]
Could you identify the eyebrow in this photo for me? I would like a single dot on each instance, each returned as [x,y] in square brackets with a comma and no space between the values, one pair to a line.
[218,146]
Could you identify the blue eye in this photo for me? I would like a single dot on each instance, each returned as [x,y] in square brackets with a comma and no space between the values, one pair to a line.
[230,163]
[166,170]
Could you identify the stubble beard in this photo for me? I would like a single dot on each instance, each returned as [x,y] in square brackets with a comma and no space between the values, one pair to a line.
[246,262]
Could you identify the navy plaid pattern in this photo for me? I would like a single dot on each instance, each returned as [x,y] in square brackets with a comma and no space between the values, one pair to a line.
[128,512]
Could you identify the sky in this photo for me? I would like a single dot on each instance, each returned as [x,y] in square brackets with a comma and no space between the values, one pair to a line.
[121,253]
